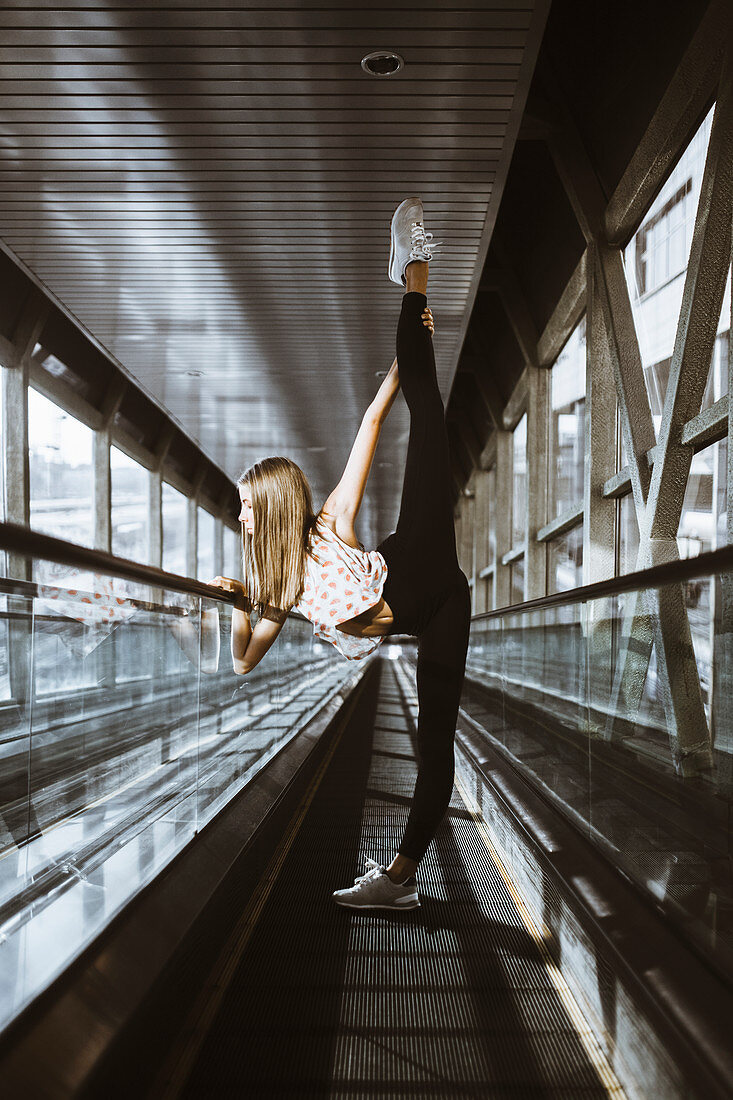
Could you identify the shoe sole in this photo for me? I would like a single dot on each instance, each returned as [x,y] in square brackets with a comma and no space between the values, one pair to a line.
[350,905]
[392,256]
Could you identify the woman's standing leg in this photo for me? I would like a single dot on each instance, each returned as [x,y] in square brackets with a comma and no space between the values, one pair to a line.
[441,662]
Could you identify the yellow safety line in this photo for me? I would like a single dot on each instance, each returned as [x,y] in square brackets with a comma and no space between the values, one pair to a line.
[177,1067]
[593,1049]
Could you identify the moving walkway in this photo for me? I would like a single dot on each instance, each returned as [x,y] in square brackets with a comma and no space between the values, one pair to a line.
[167,879]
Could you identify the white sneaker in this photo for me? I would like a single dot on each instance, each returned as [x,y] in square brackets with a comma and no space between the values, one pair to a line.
[375,890]
[409,239]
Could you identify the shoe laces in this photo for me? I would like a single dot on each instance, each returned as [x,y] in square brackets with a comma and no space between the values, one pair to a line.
[421,243]
[373,870]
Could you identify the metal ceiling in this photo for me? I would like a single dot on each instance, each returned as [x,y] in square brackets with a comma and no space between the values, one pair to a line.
[209,189]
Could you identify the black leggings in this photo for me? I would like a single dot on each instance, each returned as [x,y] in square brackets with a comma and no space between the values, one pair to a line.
[425,587]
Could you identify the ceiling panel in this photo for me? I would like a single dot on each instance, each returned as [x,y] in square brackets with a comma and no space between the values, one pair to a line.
[209,192]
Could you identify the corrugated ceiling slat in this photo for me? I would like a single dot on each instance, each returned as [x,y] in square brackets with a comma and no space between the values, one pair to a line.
[210,188]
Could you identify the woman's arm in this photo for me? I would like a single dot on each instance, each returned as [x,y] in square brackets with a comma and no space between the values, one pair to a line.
[248,645]
[386,394]
[346,498]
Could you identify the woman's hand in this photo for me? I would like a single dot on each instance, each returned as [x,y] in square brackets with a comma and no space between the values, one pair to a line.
[229,584]
[428,320]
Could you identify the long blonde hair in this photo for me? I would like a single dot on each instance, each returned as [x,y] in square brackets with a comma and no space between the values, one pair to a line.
[274,558]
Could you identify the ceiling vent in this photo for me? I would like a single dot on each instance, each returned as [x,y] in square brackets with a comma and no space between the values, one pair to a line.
[382,63]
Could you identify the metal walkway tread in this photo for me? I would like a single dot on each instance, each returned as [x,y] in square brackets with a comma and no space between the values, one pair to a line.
[449,1000]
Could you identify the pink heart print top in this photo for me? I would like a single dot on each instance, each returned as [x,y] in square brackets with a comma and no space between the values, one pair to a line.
[341,582]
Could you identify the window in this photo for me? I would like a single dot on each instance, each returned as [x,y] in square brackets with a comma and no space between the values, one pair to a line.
[61,472]
[130,507]
[703,521]
[517,581]
[567,426]
[565,561]
[175,529]
[662,244]
[628,534]
[656,261]
[205,555]
[519,482]
[232,554]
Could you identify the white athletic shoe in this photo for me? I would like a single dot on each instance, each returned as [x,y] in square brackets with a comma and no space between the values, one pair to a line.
[409,239]
[375,890]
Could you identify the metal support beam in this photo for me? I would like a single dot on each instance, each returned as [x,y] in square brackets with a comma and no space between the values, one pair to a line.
[623,350]
[565,316]
[664,613]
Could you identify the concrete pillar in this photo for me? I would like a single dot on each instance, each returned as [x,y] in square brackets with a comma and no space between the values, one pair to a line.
[482,518]
[102,492]
[599,512]
[155,518]
[535,557]
[192,538]
[17,466]
[503,517]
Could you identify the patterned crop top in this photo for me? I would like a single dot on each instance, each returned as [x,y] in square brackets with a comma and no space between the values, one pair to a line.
[341,582]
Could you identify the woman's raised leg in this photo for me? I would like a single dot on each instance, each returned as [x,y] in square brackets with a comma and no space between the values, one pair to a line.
[425,526]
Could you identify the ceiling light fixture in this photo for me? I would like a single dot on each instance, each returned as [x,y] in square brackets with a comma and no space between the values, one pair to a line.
[382,63]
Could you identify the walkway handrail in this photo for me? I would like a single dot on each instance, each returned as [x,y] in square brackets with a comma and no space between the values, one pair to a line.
[671,572]
[21,540]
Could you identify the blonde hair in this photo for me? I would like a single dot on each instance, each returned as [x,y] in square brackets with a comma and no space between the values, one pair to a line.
[274,558]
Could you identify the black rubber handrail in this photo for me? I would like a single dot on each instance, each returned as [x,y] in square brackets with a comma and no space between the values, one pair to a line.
[21,540]
[657,576]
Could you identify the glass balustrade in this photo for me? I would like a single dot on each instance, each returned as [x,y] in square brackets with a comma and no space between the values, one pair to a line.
[123,731]
[619,710]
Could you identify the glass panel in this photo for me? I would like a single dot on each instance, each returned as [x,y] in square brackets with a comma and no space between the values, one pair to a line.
[61,478]
[205,556]
[567,426]
[128,732]
[565,561]
[130,507]
[175,530]
[618,727]
[519,485]
[656,262]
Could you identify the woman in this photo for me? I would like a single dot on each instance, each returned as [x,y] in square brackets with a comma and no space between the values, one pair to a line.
[411,584]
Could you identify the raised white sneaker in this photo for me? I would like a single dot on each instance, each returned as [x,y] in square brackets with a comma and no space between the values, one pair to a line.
[409,241]
[375,890]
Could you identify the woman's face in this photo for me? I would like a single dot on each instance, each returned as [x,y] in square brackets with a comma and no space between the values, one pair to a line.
[246,518]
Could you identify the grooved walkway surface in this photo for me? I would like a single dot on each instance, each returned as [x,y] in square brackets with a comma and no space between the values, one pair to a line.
[449,1000]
